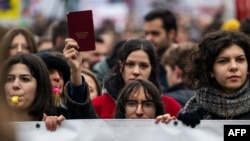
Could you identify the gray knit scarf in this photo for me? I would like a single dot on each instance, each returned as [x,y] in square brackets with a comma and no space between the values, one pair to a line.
[220,104]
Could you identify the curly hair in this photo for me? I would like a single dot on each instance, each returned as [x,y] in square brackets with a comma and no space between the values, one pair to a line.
[200,64]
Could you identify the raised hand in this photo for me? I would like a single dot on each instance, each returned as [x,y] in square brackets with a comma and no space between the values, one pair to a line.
[74,60]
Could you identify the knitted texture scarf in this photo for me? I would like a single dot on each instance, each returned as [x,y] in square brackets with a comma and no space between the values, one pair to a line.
[218,103]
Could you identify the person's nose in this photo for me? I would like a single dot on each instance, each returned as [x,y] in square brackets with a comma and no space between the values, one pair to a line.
[136,70]
[233,65]
[16,84]
[56,77]
[149,37]
[19,48]
[139,109]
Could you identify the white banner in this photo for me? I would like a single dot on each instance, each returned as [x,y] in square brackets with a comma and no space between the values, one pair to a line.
[124,130]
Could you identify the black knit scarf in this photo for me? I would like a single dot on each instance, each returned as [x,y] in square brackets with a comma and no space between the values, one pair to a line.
[218,103]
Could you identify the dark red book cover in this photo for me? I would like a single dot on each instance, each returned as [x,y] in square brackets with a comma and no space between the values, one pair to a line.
[81,29]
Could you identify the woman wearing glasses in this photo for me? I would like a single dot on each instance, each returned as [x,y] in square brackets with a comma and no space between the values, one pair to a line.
[141,99]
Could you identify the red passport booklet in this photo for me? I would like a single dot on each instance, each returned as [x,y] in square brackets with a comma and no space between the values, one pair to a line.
[81,29]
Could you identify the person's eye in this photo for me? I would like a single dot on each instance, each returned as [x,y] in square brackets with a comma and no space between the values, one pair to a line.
[155,33]
[60,74]
[25,79]
[26,47]
[13,46]
[222,61]
[147,33]
[10,79]
[241,59]
[129,64]
[96,54]
[91,89]
[144,66]
[148,104]
[131,103]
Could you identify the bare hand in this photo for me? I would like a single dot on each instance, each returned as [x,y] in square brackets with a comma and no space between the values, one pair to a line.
[71,54]
[166,118]
[51,122]
[74,60]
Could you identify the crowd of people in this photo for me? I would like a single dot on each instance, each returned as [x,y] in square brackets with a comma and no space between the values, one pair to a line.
[150,76]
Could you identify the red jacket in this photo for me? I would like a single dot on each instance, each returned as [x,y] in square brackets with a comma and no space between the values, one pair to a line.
[105,105]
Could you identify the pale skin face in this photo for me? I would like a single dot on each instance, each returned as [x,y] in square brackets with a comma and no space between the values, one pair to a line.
[137,66]
[230,68]
[20,83]
[140,112]
[155,33]
[56,79]
[18,45]
[92,86]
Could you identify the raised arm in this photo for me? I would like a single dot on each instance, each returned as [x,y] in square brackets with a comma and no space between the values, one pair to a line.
[76,91]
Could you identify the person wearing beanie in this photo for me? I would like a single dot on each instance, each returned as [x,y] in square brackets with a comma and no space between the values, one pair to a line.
[70,89]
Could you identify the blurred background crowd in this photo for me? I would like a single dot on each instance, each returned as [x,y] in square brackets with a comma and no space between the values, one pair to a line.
[123,16]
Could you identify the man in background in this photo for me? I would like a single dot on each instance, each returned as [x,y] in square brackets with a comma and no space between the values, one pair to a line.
[160,27]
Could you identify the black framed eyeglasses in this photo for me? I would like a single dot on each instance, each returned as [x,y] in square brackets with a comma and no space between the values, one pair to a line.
[133,105]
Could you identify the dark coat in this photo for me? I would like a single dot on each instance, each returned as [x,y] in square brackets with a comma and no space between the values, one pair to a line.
[79,105]
[180,93]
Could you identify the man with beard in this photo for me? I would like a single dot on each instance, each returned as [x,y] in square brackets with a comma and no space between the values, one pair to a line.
[160,27]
